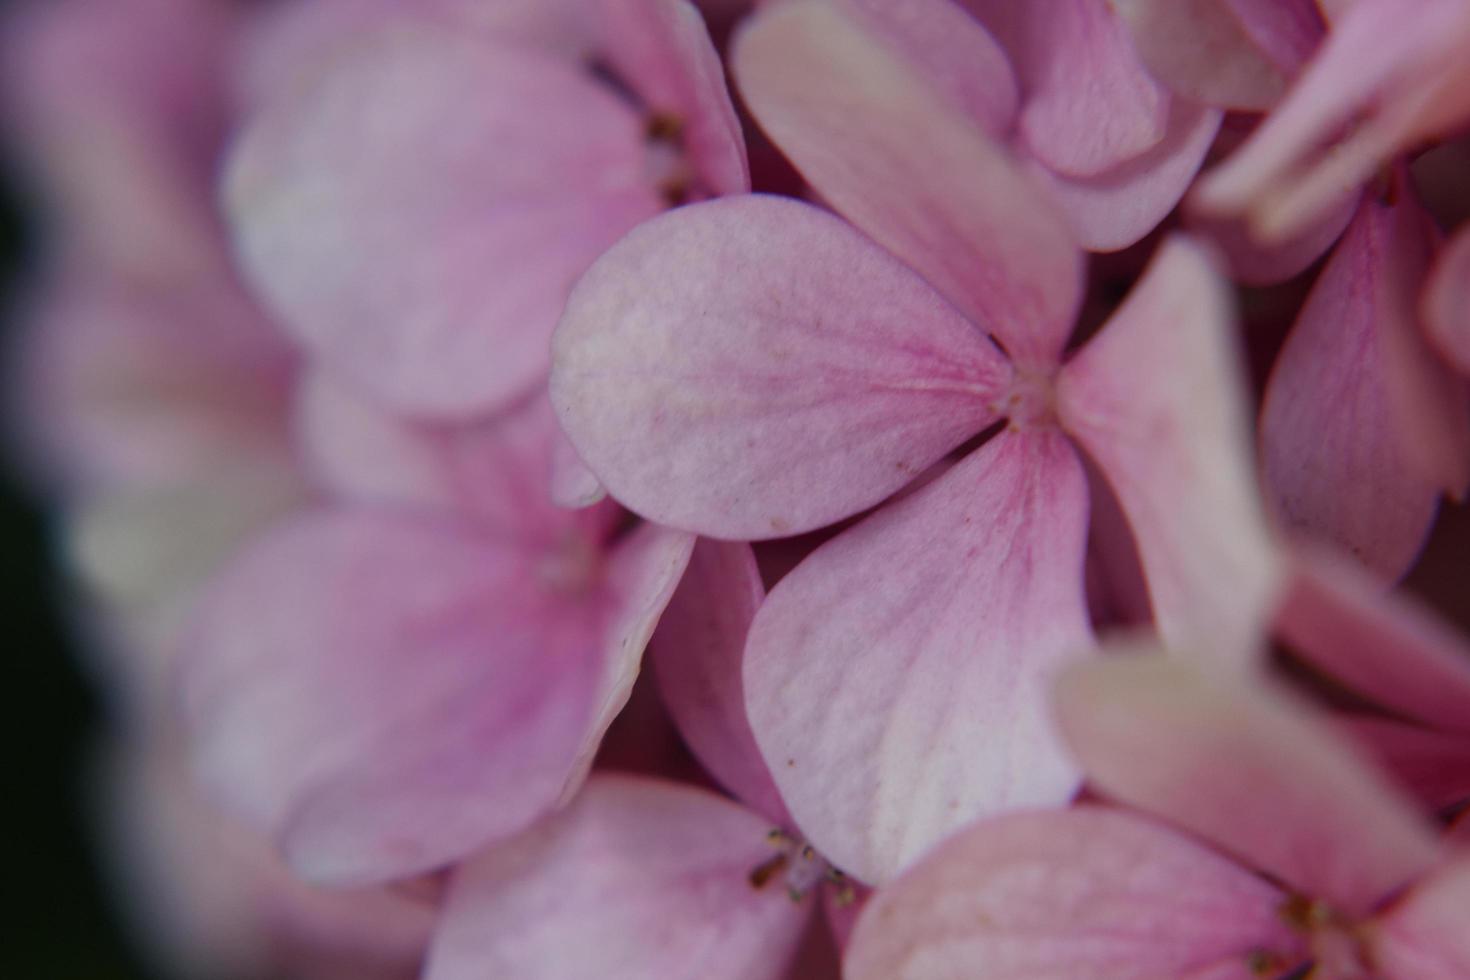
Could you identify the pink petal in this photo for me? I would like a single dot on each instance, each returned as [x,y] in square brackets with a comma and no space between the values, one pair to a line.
[385,692]
[639,878]
[432,270]
[1434,766]
[697,653]
[1156,400]
[893,155]
[1362,428]
[752,367]
[897,679]
[1246,769]
[572,483]
[1256,263]
[662,50]
[1084,893]
[1089,104]
[1447,302]
[1389,73]
[1234,54]
[1386,647]
[1113,209]
[955,53]
[1424,937]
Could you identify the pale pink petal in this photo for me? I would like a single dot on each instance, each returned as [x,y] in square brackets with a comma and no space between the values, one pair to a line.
[1434,766]
[894,155]
[378,212]
[639,878]
[1447,302]
[1362,427]
[697,652]
[1247,770]
[897,680]
[1386,647]
[1256,263]
[572,483]
[1115,208]
[641,572]
[1084,893]
[1389,73]
[661,49]
[1157,401]
[1088,103]
[1424,936]
[1234,54]
[752,367]
[955,53]
[385,692]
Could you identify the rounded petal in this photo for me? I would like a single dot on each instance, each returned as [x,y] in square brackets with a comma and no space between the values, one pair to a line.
[1362,428]
[897,158]
[1157,400]
[752,368]
[432,269]
[1447,302]
[1088,892]
[1247,770]
[897,680]
[697,652]
[385,692]
[638,878]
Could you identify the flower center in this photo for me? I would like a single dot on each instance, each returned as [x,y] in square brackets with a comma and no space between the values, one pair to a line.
[1031,401]
[801,868]
[1336,947]
[667,162]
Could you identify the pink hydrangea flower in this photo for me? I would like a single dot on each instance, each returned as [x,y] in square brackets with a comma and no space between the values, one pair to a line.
[753,367]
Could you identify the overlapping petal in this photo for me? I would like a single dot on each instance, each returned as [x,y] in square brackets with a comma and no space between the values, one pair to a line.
[1060,895]
[1248,771]
[752,367]
[896,680]
[638,878]
[394,233]
[1362,428]
[898,159]
[1447,302]
[1425,937]
[1156,400]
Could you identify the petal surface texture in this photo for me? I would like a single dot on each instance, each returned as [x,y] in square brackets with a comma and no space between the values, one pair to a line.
[897,158]
[1245,770]
[393,232]
[385,692]
[697,653]
[1362,427]
[753,367]
[638,878]
[897,679]
[1062,895]
[1156,399]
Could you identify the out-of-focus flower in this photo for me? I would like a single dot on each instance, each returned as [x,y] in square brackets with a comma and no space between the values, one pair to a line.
[1320,863]
[752,368]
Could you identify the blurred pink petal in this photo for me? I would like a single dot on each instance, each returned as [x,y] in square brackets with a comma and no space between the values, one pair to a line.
[636,879]
[1112,209]
[374,236]
[1389,74]
[1248,770]
[1386,647]
[894,709]
[697,652]
[785,374]
[1424,936]
[661,50]
[1079,893]
[1234,54]
[1447,302]
[923,180]
[1362,428]
[1256,263]
[1432,765]
[572,483]
[1155,399]
[958,57]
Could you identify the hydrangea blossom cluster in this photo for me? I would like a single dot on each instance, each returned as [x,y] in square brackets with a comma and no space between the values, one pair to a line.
[1013,436]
